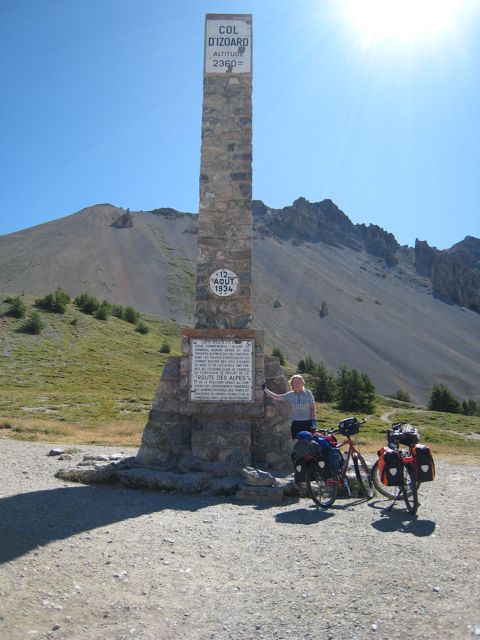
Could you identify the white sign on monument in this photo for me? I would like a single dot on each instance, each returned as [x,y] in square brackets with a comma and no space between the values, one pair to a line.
[223,282]
[222,370]
[228,46]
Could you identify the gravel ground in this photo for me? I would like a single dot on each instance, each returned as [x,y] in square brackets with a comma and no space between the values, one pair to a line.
[100,562]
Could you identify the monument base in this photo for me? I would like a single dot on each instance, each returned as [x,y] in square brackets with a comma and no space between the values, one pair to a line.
[240,428]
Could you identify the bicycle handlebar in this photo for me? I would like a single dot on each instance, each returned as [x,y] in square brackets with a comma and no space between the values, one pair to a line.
[334,431]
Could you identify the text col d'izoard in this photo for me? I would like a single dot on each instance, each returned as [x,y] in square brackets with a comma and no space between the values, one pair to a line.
[228,46]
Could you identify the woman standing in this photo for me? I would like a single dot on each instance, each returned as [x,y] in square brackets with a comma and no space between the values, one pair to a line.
[302,405]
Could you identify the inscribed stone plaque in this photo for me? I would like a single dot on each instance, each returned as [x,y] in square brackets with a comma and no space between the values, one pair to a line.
[228,45]
[221,370]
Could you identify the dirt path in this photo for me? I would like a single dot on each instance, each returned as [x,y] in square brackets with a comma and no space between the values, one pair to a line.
[385,417]
[98,562]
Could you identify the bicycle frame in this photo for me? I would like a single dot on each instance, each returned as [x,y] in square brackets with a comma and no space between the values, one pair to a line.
[341,480]
[323,491]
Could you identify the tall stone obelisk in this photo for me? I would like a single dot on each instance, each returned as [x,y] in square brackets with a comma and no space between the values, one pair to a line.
[209,405]
[224,266]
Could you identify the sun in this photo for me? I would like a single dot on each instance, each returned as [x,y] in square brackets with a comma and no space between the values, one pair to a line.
[404,21]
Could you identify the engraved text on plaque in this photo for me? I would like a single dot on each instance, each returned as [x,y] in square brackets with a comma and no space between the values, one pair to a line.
[221,370]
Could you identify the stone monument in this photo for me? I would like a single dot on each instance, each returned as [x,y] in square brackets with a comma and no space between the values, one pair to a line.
[209,405]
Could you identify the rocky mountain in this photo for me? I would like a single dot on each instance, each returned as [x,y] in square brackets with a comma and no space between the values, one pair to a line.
[454,274]
[323,286]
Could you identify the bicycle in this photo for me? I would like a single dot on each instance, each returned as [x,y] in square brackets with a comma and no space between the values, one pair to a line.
[407,484]
[322,486]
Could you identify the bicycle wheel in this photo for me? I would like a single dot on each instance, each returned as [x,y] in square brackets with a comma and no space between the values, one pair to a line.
[363,476]
[319,491]
[388,492]
[410,492]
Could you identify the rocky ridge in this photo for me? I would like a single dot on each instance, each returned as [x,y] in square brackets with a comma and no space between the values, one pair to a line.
[323,221]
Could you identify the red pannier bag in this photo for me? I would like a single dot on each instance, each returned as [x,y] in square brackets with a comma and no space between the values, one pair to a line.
[390,467]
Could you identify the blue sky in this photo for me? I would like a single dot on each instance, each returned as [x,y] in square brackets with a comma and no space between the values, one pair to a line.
[377,110]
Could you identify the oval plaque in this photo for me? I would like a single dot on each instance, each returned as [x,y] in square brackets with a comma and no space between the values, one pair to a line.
[223,282]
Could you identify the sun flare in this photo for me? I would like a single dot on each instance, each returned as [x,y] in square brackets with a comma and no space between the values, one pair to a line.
[404,21]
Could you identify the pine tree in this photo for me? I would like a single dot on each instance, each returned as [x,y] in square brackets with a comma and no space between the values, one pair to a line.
[309,365]
[279,354]
[354,391]
[323,383]
[442,399]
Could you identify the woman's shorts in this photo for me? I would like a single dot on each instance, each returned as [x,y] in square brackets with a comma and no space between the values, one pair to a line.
[300,425]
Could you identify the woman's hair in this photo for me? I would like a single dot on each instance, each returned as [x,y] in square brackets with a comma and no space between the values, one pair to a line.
[297,376]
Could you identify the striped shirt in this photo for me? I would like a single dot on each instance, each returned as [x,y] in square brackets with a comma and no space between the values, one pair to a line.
[300,404]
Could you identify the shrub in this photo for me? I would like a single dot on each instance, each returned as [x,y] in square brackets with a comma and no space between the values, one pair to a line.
[33,324]
[142,328]
[301,366]
[131,315]
[56,302]
[118,311]
[442,399]
[278,354]
[18,308]
[165,347]
[46,303]
[102,312]
[402,395]
[87,303]
[469,408]
[62,295]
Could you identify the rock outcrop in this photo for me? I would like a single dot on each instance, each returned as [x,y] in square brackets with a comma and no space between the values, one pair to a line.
[467,251]
[125,221]
[454,273]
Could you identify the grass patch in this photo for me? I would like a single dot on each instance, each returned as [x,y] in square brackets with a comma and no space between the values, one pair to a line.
[81,380]
[106,433]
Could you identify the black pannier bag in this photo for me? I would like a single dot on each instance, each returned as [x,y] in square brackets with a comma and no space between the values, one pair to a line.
[299,475]
[390,467]
[318,455]
[322,465]
[423,463]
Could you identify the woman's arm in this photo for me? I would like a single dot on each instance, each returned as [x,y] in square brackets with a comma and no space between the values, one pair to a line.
[274,396]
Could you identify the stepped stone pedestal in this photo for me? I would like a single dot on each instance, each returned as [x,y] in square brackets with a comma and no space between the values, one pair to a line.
[179,433]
